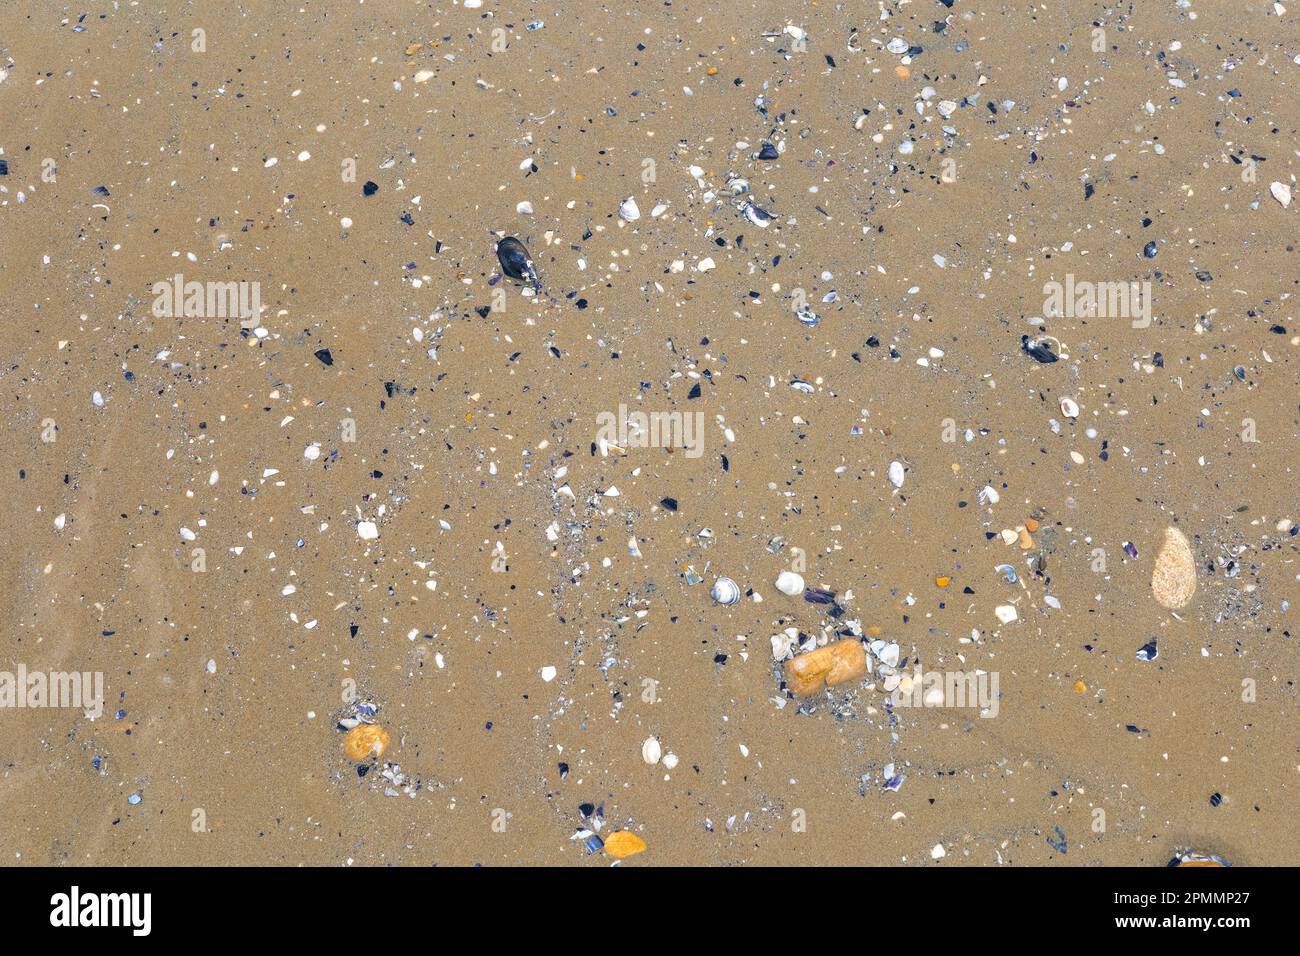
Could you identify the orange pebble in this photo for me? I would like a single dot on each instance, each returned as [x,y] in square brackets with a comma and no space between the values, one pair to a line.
[1031,525]
[943,582]
[623,844]
[365,739]
[1080,687]
[712,71]
[902,72]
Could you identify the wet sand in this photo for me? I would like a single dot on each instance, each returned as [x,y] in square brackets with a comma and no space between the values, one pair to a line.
[457,533]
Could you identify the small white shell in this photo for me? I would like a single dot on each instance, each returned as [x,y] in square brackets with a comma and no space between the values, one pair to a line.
[629,211]
[725,591]
[896,474]
[1069,408]
[651,751]
[789,583]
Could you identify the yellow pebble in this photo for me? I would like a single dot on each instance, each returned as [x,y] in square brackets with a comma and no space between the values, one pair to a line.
[623,844]
[942,582]
[1080,687]
[713,71]
[365,739]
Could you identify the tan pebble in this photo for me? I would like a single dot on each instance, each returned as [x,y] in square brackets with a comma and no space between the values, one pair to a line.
[1173,582]
[826,666]
[364,740]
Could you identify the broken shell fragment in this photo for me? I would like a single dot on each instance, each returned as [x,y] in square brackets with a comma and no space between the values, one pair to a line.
[623,844]
[364,741]
[726,592]
[1192,858]
[757,215]
[1173,582]
[789,583]
[826,667]
[808,317]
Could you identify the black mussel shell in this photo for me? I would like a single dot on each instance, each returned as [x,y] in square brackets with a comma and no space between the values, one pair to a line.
[1038,351]
[515,261]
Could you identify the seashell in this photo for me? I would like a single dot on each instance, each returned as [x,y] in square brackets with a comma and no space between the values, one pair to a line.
[819,596]
[1173,582]
[1069,408]
[738,186]
[725,591]
[1006,613]
[628,210]
[651,751]
[1038,350]
[623,844]
[808,317]
[789,583]
[364,741]
[897,46]
[515,261]
[1192,858]
[802,386]
[1148,651]
[896,473]
[757,215]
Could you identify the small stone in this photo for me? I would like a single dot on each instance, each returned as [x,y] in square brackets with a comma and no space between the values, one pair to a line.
[367,530]
[826,666]
[1281,192]
[1006,613]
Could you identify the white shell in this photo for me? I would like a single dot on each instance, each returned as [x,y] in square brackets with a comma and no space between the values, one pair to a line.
[1006,613]
[789,583]
[1069,408]
[896,474]
[725,591]
[651,751]
[629,210]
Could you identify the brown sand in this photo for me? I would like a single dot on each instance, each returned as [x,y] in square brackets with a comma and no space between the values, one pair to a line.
[229,762]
